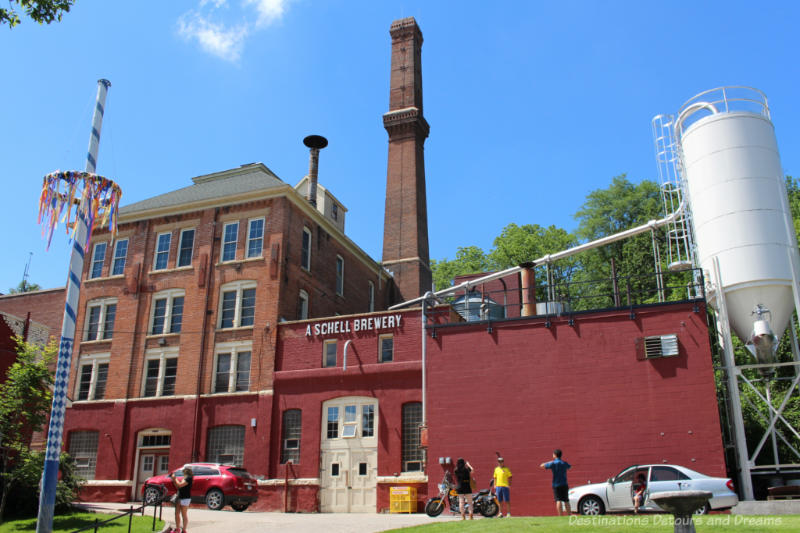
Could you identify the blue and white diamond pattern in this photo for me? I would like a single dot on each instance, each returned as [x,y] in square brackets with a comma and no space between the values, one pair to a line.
[56,432]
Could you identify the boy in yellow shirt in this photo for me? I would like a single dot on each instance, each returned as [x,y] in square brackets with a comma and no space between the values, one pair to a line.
[502,484]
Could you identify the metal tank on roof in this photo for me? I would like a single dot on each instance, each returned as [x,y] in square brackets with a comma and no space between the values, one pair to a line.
[739,209]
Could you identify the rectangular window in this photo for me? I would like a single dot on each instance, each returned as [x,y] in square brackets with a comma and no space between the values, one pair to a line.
[237,304]
[98,257]
[333,423]
[161,370]
[93,378]
[83,449]
[339,275]
[302,305]
[185,248]
[335,211]
[329,353]
[232,371]
[386,347]
[292,426]
[411,452]
[305,254]
[350,421]
[367,420]
[167,312]
[100,315]
[230,233]
[255,237]
[226,445]
[120,254]
[162,251]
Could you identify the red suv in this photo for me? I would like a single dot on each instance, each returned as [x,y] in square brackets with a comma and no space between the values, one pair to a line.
[215,484]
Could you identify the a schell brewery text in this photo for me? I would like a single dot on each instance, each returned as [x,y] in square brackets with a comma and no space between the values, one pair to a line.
[355,325]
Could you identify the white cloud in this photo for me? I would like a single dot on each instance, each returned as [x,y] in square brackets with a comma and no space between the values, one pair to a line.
[269,11]
[206,25]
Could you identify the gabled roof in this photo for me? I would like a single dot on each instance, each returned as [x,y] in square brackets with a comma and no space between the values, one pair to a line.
[217,186]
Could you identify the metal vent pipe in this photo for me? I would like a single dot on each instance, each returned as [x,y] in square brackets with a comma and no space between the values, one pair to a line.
[315,143]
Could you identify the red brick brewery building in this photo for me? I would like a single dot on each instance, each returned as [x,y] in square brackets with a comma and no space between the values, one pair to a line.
[233,321]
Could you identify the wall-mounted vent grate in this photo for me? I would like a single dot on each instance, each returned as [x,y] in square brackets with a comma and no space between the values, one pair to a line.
[657,346]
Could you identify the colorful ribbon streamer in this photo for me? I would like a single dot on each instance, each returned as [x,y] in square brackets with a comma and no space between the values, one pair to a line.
[97,200]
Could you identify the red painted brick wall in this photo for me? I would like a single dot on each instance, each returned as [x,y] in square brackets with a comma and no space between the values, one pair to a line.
[524,389]
[45,306]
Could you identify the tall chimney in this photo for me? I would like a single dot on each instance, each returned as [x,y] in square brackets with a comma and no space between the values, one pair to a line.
[405,228]
[315,143]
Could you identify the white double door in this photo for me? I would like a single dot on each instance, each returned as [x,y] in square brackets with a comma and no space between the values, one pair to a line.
[349,455]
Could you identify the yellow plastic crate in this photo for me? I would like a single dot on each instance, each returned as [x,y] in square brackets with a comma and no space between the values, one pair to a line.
[402,500]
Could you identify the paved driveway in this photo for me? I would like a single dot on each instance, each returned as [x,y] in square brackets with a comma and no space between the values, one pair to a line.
[228,521]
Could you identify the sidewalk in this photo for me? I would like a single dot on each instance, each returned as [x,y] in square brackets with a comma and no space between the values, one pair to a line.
[229,521]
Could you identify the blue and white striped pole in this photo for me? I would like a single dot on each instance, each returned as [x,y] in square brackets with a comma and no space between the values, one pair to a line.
[47,496]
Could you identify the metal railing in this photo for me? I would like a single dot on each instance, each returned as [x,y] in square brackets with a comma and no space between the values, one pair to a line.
[157,506]
[487,302]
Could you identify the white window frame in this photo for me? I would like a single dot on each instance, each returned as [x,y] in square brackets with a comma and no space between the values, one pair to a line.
[103,304]
[239,287]
[161,355]
[250,238]
[382,338]
[234,349]
[170,296]
[303,300]
[123,259]
[93,360]
[339,275]
[371,296]
[180,248]
[157,253]
[307,264]
[95,260]
[223,242]
[325,345]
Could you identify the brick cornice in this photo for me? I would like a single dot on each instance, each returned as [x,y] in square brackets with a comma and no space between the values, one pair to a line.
[406,121]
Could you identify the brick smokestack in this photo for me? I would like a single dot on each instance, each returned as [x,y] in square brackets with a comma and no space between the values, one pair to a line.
[405,227]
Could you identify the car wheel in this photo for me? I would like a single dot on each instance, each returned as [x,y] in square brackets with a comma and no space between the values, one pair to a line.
[152,495]
[240,506]
[215,500]
[591,505]
[703,510]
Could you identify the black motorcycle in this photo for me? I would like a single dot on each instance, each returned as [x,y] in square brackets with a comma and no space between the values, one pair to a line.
[482,502]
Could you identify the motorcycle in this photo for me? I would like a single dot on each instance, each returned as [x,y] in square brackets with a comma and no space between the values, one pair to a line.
[482,502]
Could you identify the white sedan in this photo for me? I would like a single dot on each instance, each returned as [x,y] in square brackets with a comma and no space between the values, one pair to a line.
[616,494]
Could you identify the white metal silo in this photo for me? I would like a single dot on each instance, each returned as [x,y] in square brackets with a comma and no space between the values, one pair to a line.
[735,186]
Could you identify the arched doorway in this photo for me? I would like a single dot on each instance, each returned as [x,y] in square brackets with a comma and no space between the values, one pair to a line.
[349,455]
[152,456]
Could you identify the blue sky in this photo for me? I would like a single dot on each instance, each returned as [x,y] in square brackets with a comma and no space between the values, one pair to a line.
[532,105]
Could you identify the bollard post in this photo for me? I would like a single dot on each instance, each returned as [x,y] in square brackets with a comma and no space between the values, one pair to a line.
[130,518]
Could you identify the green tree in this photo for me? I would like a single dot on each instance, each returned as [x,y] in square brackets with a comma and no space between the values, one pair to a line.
[469,260]
[25,398]
[24,286]
[42,11]
[621,206]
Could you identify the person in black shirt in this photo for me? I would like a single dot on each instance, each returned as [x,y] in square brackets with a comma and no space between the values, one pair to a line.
[184,498]
[463,474]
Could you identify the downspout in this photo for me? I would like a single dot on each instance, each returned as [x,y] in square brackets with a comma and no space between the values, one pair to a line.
[344,355]
[203,336]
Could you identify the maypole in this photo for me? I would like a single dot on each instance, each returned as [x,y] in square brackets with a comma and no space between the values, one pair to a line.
[95,199]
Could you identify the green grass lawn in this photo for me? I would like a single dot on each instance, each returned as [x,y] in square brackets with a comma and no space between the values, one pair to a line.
[71,522]
[653,523]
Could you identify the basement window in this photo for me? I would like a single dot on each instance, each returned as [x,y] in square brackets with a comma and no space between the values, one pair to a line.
[657,346]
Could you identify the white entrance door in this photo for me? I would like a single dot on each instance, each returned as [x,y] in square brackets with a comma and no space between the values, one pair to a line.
[151,463]
[349,455]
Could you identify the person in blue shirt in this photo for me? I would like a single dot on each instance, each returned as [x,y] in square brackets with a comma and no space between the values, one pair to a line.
[560,486]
